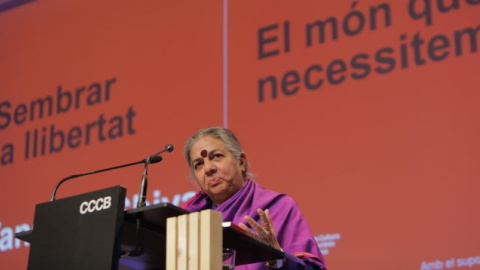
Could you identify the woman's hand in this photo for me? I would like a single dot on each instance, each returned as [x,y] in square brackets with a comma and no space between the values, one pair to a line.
[264,231]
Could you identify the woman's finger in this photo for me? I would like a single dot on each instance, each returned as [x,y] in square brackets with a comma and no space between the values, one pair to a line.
[247,230]
[269,220]
[263,218]
[257,227]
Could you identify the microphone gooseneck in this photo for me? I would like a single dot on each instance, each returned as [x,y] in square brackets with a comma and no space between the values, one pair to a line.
[149,160]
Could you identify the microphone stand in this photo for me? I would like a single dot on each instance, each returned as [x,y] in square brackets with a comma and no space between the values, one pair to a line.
[139,248]
[143,185]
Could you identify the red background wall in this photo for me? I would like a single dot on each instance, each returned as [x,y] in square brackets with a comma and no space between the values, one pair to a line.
[383,167]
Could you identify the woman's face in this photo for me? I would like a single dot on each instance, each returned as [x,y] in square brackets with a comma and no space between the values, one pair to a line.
[216,170]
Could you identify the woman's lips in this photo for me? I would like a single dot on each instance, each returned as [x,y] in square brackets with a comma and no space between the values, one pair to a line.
[214,181]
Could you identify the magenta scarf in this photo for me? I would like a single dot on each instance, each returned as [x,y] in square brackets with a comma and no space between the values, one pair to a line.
[293,232]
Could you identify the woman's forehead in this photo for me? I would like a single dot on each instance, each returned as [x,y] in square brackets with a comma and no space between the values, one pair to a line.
[204,145]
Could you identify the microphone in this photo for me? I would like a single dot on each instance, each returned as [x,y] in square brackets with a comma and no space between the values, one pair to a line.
[167,148]
[143,185]
[149,160]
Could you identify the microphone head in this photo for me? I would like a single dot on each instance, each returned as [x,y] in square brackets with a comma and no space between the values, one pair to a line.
[155,159]
[169,148]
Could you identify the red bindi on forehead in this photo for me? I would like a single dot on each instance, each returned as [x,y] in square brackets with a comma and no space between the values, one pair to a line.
[204,153]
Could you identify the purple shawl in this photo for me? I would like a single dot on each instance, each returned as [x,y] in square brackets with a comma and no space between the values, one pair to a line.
[293,232]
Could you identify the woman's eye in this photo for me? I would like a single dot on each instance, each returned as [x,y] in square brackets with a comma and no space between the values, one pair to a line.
[197,166]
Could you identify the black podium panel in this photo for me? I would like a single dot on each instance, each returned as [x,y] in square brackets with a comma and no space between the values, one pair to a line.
[249,250]
[79,232]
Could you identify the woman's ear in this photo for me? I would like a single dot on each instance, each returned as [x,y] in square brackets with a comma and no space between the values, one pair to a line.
[243,160]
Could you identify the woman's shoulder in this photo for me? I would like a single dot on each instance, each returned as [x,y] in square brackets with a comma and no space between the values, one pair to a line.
[276,198]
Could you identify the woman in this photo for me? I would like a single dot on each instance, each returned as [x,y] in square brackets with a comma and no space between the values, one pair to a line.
[220,168]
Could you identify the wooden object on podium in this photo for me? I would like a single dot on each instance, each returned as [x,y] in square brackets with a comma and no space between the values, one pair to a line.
[211,239]
[182,242]
[194,241]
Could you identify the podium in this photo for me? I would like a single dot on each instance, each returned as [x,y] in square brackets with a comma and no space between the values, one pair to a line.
[92,231]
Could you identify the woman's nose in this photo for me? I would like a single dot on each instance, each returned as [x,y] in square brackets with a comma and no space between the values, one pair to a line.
[210,167]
